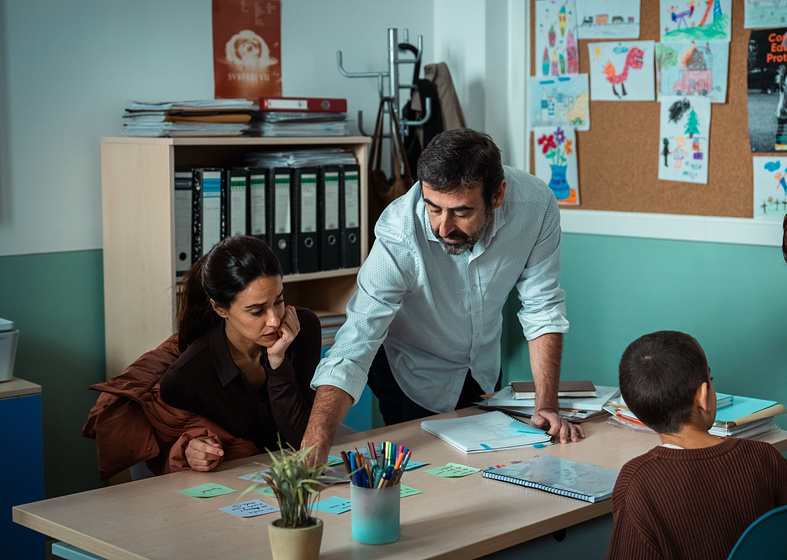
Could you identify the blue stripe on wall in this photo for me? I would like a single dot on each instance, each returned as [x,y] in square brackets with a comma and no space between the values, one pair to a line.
[729,297]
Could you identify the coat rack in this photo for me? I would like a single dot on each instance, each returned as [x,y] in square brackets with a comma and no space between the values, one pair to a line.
[392,74]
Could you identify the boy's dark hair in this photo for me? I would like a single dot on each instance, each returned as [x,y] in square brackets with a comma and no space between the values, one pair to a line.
[458,158]
[659,376]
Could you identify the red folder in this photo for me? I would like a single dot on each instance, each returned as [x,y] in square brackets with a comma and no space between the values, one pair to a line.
[304,104]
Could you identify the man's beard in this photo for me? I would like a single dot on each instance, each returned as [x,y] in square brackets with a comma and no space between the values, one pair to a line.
[468,241]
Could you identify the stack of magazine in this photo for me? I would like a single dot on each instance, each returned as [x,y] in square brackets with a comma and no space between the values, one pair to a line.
[574,409]
[210,117]
[737,416]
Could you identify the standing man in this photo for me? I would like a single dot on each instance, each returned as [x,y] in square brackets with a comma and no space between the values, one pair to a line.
[426,320]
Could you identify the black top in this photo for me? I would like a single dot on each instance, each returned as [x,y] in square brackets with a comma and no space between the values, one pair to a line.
[206,381]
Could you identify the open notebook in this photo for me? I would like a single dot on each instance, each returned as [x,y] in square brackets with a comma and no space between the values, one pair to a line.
[559,476]
[486,432]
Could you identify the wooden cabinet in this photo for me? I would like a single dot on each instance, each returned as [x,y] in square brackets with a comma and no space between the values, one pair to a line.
[137,189]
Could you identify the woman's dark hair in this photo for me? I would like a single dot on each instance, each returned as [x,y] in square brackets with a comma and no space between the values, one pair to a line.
[221,274]
[659,377]
[462,158]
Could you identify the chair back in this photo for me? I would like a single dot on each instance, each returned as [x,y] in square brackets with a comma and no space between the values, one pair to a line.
[764,539]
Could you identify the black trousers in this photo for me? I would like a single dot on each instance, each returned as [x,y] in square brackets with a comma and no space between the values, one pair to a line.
[397,407]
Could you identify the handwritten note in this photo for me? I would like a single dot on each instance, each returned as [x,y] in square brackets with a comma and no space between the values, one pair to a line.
[252,508]
[208,490]
[452,470]
[408,491]
[334,504]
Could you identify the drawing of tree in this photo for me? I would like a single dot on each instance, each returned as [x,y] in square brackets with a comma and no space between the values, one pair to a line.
[692,127]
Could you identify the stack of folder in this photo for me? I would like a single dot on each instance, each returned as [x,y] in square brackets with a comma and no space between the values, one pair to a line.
[212,117]
[736,416]
[301,116]
[304,204]
[574,409]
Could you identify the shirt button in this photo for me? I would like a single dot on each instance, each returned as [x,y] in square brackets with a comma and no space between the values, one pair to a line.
[474,288]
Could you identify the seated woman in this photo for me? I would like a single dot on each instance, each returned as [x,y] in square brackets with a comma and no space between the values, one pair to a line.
[247,359]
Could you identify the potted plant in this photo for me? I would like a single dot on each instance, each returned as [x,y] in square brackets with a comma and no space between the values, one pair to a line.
[296,483]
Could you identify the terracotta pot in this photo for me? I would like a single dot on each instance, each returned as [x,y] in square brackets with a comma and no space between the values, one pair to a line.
[295,544]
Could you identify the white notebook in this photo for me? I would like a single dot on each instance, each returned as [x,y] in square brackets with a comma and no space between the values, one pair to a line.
[559,476]
[486,432]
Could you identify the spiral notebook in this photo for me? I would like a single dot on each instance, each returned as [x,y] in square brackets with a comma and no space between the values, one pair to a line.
[486,432]
[559,476]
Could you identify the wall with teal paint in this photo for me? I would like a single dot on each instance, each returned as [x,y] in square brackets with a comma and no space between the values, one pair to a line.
[56,300]
[729,297]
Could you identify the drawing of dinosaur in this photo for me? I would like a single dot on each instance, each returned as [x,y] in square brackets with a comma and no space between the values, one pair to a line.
[633,60]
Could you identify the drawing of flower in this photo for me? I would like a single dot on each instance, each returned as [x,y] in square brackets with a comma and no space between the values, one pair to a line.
[548,142]
[559,146]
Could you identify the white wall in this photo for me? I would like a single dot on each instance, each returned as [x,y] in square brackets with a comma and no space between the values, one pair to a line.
[483,44]
[71,67]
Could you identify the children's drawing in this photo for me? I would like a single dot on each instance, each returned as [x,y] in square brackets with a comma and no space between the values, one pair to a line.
[621,71]
[764,13]
[556,161]
[556,38]
[701,20]
[683,144]
[693,68]
[562,100]
[608,19]
[770,187]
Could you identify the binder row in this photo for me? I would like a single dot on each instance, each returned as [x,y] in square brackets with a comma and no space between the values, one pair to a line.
[309,216]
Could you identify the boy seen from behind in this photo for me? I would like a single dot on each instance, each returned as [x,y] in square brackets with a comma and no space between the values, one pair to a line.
[695,494]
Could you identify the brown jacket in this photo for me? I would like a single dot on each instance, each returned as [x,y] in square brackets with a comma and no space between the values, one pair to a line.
[131,423]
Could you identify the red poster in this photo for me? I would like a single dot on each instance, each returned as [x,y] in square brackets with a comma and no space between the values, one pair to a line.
[247,48]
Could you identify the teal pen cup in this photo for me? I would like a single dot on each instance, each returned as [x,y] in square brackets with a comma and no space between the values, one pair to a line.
[374,514]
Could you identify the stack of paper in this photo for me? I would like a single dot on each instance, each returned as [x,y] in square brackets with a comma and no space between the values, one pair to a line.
[486,432]
[209,117]
[576,409]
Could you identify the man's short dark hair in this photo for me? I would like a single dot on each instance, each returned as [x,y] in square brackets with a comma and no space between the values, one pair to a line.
[659,377]
[462,158]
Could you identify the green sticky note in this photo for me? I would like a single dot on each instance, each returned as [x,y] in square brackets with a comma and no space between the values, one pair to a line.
[452,470]
[265,491]
[208,490]
[405,491]
[334,504]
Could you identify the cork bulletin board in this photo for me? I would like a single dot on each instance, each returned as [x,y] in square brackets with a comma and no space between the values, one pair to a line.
[618,158]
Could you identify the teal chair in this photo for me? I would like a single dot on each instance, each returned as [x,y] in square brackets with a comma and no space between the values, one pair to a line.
[764,539]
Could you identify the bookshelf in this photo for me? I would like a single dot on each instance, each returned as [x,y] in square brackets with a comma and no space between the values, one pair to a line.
[137,190]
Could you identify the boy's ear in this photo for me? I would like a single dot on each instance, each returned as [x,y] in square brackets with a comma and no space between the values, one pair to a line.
[701,397]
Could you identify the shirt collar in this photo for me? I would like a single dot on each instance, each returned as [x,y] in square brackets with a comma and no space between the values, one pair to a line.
[226,369]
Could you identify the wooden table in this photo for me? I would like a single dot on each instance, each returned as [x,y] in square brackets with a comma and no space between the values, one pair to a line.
[453,518]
